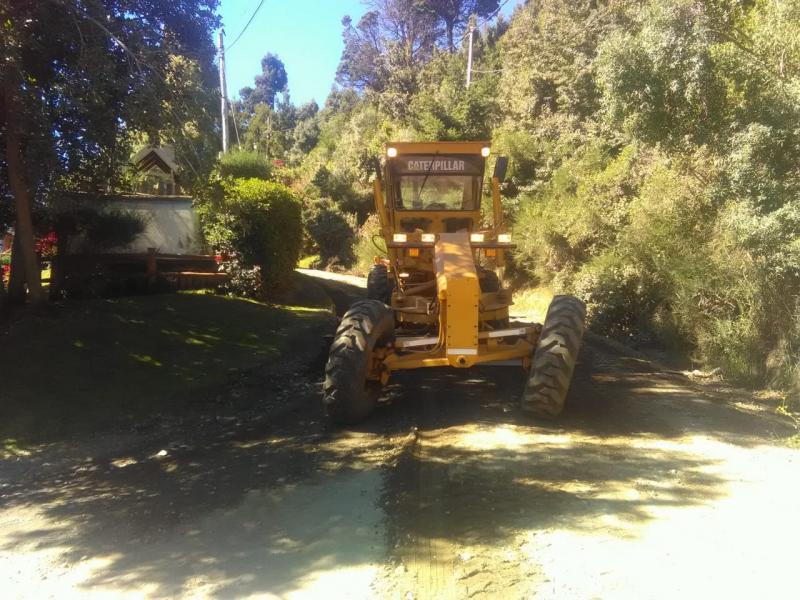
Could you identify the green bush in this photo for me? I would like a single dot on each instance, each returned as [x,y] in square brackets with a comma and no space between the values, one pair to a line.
[620,298]
[259,224]
[369,244]
[244,165]
[735,346]
[579,213]
[331,231]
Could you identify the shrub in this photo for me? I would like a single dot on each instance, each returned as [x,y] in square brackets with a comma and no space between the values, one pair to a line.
[579,213]
[257,222]
[369,244]
[331,231]
[244,165]
[619,297]
[734,345]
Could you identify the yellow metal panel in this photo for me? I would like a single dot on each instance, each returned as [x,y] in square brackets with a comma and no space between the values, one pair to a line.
[459,293]
[440,147]
[521,350]
[380,207]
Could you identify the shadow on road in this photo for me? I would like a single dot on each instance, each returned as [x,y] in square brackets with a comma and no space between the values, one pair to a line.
[242,504]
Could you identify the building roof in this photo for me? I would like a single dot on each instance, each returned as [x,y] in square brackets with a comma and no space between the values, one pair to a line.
[162,157]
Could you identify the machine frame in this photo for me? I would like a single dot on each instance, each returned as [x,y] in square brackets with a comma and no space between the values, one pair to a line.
[435,274]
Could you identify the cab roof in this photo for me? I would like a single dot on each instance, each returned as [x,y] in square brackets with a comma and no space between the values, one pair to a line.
[438,147]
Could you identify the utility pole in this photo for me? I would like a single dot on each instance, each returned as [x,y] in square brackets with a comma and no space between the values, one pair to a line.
[469,54]
[223,93]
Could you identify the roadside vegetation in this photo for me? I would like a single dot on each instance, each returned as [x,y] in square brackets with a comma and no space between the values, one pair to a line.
[653,149]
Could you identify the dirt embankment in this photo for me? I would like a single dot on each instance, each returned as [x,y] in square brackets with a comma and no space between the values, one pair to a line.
[649,486]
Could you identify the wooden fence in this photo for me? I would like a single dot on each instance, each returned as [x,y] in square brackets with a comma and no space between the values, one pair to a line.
[122,274]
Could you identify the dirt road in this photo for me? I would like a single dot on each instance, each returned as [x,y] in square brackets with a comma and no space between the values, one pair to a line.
[650,486]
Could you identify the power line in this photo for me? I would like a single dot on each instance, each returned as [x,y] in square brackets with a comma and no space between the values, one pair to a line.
[241,33]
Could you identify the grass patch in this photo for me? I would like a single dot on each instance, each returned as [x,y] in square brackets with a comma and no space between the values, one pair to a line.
[93,362]
[308,262]
[532,303]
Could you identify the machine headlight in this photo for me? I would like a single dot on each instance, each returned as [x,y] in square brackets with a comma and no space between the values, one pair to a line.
[504,238]
[391,152]
[485,151]
[428,238]
[476,237]
[400,238]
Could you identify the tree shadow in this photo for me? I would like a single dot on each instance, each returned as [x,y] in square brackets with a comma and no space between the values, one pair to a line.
[91,365]
[240,501]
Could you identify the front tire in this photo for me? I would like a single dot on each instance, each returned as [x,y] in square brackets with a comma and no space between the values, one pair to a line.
[379,287]
[554,357]
[348,396]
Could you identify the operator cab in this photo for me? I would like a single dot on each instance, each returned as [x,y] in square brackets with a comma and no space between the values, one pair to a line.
[435,188]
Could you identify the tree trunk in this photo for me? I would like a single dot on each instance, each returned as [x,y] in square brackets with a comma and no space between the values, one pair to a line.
[16,280]
[22,197]
[57,263]
[3,295]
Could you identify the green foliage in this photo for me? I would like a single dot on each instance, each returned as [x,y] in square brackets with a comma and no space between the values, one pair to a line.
[272,81]
[369,244]
[653,148]
[258,223]
[660,83]
[87,224]
[444,110]
[619,296]
[244,165]
[331,231]
[90,79]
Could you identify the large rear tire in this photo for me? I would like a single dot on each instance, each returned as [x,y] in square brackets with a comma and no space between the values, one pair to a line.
[347,394]
[379,287]
[554,357]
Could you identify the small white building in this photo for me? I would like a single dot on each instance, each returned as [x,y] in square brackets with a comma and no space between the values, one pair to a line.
[171,223]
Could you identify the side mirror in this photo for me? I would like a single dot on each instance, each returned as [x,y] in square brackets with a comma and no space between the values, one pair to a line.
[500,167]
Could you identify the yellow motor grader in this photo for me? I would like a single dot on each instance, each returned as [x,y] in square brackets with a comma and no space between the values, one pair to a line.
[437,301]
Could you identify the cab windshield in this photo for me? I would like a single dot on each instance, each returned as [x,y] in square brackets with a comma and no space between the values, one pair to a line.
[437,182]
[437,192]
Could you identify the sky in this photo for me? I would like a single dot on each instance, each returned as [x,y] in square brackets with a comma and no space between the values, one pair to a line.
[305,34]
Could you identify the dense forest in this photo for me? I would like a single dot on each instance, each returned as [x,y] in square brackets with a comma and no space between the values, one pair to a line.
[654,145]
[654,150]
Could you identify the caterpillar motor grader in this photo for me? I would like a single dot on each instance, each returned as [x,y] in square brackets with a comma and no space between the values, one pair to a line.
[437,301]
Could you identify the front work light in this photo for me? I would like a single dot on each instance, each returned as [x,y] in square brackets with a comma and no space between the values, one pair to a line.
[400,238]
[485,151]
[391,152]
[504,238]
[476,237]
[428,238]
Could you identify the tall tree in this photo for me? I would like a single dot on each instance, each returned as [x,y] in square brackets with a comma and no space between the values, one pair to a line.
[386,50]
[272,81]
[455,15]
[78,79]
